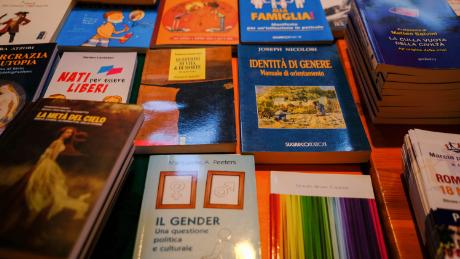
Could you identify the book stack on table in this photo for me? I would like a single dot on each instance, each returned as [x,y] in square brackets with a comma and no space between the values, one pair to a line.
[431,170]
[406,61]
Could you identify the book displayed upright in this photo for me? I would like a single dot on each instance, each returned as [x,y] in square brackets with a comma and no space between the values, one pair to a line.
[200,22]
[188,101]
[29,22]
[283,21]
[107,26]
[24,70]
[297,106]
[432,174]
[96,76]
[61,162]
[199,206]
[324,216]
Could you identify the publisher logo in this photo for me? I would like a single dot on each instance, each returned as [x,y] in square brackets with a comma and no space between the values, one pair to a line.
[110,70]
[454,147]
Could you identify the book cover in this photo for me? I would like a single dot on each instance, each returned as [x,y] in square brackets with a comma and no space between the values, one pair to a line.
[199,206]
[172,66]
[337,15]
[432,175]
[324,216]
[421,34]
[23,72]
[110,26]
[283,21]
[58,163]
[297,106]
[35,21]
[183,118]
[95,76]
[197,22]
[437,155]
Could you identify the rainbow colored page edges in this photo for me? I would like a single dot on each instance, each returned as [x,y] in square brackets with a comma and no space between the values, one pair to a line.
[324,216]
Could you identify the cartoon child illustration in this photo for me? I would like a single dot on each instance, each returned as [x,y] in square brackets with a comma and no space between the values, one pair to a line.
[12,25]
[105,31]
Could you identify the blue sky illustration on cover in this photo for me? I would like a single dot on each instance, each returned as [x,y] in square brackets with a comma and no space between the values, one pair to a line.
[307,100]
[110,27]
[424,34]
[283,21]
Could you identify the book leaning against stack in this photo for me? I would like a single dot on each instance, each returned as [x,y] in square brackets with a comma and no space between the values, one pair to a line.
[405,59]
[432,174]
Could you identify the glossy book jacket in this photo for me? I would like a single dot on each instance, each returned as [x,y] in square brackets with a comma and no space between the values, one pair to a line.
[95,76]
[283,21]
[197,22]
[197,117]
[24,70]
[297,102]
[30,22]
[98,26]
[199,206]
[58,163]
[421,34]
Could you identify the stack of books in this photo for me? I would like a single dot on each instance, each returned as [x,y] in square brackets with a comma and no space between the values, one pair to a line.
[63,163]
[432,175]
[405,59]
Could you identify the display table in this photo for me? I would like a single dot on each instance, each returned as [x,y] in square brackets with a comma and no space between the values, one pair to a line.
[118,237]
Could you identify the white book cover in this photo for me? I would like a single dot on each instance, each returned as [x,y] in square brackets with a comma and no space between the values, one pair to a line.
[31,21]
[199,206]
[321,185]
[438,157]
[93,76]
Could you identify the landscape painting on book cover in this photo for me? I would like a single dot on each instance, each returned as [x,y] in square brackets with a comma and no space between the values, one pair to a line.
[298,107]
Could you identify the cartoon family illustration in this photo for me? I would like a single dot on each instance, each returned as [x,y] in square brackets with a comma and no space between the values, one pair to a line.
[258,4]
[11,26]
[107,31]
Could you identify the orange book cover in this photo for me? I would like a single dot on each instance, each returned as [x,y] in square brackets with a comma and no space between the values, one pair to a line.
[197,22]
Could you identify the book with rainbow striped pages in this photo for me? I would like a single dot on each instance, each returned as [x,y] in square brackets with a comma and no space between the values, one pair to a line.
[324,216]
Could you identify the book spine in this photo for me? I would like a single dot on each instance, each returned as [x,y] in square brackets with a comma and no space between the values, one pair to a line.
[365,34]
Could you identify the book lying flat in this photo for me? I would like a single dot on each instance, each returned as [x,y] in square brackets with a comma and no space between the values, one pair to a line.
[324,216]
[199,206]
[60,164]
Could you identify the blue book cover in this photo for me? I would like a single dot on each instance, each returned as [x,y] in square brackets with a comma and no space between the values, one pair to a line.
[421,34]
[296,106]
[123,27]
[283,21]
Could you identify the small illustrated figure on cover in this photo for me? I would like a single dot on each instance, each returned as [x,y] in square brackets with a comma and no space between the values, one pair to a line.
[258,4]
[320,109]
[105,31]
[12,25]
